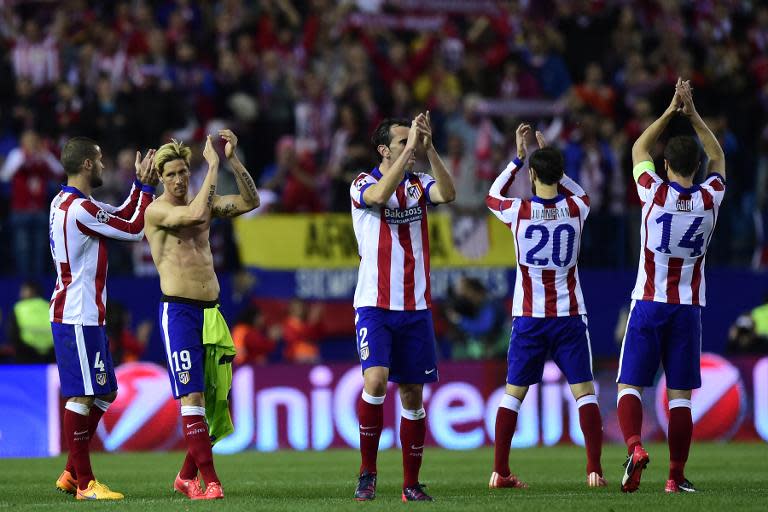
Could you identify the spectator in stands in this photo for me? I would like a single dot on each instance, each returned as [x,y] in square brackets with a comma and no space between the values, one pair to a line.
[349,153]
[7,349]
[589,159]
[314,113]
[282,68]
[301,331]
[29,327]
[595,93]
[742,338]
[125,345]
[478,328]
[30,169]
[256,342]
[293,177]
[36,54]
[760,214]
[543,58]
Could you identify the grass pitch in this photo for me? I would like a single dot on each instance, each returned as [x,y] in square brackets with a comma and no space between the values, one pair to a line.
[728,476]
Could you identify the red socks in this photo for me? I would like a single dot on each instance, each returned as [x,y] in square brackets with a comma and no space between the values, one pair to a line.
[679,433]
[76,432]
[370,413]
[188,468]
[630,413]
[413,429]
[198,442]
[98,409]
[506,422]
[592,427]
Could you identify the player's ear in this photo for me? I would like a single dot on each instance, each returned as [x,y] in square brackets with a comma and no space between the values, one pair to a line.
[383,150]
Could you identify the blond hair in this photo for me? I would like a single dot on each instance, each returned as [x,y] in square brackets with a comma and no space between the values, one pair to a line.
[174,150]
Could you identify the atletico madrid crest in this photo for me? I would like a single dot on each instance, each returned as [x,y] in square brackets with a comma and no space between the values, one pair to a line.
[364,352]
[184,377]
[101,378]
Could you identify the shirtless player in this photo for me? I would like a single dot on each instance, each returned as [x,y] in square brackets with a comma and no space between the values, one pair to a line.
[177,230]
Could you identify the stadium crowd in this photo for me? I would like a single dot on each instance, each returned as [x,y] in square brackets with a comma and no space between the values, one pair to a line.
[304,82]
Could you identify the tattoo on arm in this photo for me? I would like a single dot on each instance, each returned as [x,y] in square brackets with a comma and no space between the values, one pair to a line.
[211,193]
[245,184]
[227,210]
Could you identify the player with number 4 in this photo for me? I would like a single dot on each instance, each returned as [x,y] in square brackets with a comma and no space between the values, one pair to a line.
[548,310]
[79,229]
[664,325]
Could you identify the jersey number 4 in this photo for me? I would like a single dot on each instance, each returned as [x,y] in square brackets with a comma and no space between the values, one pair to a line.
[691,240]
[563,234]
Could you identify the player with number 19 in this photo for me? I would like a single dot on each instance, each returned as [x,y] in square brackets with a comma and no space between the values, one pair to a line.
[548,309]
[664,324]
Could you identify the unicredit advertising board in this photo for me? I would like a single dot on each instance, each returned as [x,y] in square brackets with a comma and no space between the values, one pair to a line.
[313,408]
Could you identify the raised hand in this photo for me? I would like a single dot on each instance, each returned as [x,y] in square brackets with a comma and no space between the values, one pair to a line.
[540,139]
[677,103]
[145,171]
[521,138]
[413,134]
[231,138]
[685,92]
[209,152]
[425,127]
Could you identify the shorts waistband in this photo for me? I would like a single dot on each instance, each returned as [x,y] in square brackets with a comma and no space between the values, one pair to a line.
[202,304]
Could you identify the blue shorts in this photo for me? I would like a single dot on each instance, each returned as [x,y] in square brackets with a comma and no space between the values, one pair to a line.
[181,322]
[85,364]
[669,334]
[565,339]
[403,341]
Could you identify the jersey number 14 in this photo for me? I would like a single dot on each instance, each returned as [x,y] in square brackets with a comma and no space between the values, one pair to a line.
[691,240]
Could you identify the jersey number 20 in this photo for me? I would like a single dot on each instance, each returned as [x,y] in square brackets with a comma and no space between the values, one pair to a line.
[563,231]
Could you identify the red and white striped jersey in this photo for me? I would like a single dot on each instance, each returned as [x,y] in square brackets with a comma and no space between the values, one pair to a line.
[677,225]
[393,243]
[547,236]
[78,229]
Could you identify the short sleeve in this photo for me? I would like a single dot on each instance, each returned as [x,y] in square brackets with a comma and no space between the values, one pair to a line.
[646,180]
[362,182]
[715,185]
[426,181]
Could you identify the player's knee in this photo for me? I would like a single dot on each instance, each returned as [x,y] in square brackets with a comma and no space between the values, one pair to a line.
[376,387]
[375,381]
[193,399]
[411,396]
[85,400]
[109,397]
[675,394]
[582,389]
